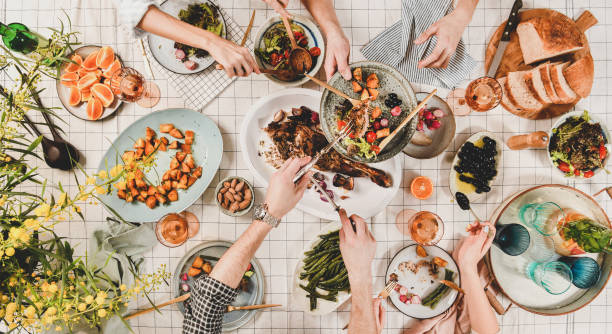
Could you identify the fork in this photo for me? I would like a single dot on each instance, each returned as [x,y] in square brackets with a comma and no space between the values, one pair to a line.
[387,290]
[345,131]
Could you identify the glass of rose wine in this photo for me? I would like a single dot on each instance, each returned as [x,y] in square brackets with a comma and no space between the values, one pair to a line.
[424,227]
[174,229]
[132,87]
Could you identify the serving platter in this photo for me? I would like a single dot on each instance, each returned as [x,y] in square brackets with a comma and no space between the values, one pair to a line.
[509,271]
[254,295]
[513,57]
[454,176]
[391,81]
[162,49]
[80,110]
[315,38]
[300,301]
[421,283]
[207,149]
[366,200]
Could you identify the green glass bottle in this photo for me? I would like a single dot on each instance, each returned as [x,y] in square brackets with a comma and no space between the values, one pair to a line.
[17,37]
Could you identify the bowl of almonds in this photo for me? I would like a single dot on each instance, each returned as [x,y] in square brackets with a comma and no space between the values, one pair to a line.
[235,196]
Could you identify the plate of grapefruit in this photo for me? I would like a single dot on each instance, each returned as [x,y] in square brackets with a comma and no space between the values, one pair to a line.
[84,85]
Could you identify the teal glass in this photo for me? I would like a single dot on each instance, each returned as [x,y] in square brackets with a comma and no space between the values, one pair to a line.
[585,271]
[512,239]
[555,277]
[543,217]
[542,247]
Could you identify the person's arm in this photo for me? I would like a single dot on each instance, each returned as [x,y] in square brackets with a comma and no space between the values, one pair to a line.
[337,46]
[471,251]
[358,248]
[236,60]
[448,31]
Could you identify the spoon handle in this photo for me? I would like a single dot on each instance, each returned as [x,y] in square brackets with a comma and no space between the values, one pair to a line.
[289,32]
[169,302]
[32,125]
[56,135]
[329,87]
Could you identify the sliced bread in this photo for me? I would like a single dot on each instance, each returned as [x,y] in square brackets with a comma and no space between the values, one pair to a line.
[564,91]
[505,101]
[519,93]
[579,75]
[545,37]
[536,86]
[547,82]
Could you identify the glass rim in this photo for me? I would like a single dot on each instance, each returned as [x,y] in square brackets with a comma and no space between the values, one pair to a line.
[438,236]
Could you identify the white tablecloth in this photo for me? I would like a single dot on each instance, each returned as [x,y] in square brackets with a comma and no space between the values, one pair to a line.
[361,20]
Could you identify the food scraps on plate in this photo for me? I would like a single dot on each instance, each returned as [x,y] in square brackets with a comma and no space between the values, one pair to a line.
[89,80]
[183,171]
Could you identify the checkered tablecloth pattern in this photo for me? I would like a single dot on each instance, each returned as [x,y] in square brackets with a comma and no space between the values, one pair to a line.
[361,20]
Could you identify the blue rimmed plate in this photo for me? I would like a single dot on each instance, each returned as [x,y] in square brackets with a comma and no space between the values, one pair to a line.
[207,150]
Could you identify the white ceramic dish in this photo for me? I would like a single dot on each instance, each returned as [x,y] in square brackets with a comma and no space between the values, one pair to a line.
[420,283]
[595,119]
[163,49]
[80,110]
[314,39]
[509,271]
[453,177]
[440,137]
[300,302]
[366,200]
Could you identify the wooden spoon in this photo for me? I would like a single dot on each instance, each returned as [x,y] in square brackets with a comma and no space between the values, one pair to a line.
[284,75]
[386,141]
[299,58]
[332,89]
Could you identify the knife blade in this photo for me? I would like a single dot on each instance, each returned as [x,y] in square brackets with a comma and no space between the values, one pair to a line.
[513,21]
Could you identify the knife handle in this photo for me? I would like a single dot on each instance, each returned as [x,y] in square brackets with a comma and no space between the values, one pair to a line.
[513,20]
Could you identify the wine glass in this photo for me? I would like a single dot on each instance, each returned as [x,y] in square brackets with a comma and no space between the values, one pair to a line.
[174,229]
[482,94]
[424,227]
[132,87]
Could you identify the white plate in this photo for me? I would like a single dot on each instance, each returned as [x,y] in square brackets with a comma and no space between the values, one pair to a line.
[474,197]
[315,38]
[420,283]
[163,49]
[299,300]
[509,271]
[366,200]
[80,110]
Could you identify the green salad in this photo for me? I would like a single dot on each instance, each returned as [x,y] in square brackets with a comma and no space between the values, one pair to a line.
[589,235]
[277,46]
[202,15]
[577,146]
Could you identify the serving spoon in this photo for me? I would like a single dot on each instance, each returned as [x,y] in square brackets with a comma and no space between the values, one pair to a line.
[284,75]
[299,58]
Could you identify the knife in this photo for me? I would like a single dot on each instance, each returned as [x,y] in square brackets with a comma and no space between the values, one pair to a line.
[513,21]
[329,199]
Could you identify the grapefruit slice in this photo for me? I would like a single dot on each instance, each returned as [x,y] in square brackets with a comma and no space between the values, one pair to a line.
[94,108]
[72,67]
[90,61]
[103,93]
[85,94]
[75,96]
[421,187]
[87,80]
[70,76]
[105,57]
[108,73]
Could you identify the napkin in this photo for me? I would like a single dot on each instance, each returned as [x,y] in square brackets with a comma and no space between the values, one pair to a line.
[395,47]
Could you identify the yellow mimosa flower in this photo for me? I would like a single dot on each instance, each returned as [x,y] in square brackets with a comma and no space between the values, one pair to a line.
[102,174]
[10,251]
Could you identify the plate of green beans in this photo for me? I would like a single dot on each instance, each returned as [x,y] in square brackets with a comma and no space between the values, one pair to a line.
[321,281]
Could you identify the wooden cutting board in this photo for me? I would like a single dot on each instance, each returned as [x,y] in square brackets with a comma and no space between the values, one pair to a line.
[513,56]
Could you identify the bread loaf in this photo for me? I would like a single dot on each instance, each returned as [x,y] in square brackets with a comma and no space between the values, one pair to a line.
[579,75]
[519,93]
[544,37]
[505,101]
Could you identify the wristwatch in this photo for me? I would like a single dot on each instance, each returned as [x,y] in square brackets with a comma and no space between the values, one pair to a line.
[261,213]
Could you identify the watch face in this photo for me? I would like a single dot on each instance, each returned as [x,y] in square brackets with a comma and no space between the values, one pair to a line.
[260,212]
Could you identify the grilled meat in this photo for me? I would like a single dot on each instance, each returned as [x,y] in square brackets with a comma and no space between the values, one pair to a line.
[301,136]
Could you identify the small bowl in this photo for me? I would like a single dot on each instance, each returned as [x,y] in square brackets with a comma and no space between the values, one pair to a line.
[237,213]
[315,38]
[441,137]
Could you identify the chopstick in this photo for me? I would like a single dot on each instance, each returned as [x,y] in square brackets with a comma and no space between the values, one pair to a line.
[146,59]
[386,141]
[170,302]
[244,38]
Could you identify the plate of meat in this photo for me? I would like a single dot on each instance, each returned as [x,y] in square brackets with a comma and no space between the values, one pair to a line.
[285,124]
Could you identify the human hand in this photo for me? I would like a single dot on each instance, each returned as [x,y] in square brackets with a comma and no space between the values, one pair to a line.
[283,194]
[448,31]
[381,314]
[235,59]
[279,6]
[337,54]
[473,247]
[358,248]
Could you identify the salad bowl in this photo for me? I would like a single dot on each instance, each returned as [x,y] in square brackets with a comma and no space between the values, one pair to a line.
[266,45]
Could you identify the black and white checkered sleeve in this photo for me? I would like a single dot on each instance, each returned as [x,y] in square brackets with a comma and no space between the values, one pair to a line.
[205,308]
